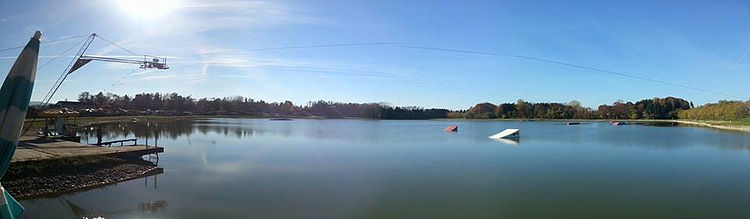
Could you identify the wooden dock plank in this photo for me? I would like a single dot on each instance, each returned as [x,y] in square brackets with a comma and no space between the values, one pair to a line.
[34,148]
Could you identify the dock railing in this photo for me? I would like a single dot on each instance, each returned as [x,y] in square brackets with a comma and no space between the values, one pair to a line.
[122,142]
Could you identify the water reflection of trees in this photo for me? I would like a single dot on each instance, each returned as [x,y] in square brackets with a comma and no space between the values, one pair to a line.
[165,129]
[141,130]
[646,137]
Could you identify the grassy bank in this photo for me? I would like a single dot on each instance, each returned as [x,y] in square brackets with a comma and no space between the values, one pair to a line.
[745,121]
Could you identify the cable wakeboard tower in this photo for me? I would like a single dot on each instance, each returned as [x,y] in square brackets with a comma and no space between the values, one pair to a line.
[148,61]
[81,59]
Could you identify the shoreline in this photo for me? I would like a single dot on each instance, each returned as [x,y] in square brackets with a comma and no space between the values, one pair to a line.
[740,128]
[707,124]
[697,123]
[701,123]
[115,119]
[52,178]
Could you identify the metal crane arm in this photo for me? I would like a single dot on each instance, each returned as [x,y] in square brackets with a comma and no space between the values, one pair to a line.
[146,63]
[111,59]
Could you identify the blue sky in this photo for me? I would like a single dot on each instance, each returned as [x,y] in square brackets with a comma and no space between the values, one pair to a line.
[212,48]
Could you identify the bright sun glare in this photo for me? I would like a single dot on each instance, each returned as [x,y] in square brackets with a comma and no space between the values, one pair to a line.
[147,8]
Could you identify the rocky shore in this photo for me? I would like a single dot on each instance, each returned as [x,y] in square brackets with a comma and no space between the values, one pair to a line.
[58,176]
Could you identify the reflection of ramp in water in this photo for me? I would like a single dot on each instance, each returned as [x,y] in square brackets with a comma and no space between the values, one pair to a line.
[508,141]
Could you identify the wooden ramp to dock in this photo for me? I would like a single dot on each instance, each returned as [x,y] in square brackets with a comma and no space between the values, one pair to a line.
[34,148]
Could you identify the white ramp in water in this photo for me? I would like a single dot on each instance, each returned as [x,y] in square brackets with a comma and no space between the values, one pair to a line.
[507,133]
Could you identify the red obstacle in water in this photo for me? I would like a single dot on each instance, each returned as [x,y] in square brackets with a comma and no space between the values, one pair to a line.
[451,128]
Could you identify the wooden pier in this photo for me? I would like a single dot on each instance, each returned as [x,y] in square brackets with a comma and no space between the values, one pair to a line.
[32,148]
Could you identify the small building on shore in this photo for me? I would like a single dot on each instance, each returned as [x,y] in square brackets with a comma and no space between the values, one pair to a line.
[76,105]
[58,122]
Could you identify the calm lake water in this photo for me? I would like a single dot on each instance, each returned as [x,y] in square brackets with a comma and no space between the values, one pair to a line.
[256,168]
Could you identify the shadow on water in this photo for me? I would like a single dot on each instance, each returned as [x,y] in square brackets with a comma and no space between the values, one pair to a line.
[149,207]
[143,207]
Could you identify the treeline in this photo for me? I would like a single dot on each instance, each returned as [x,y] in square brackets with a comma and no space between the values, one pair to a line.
[656,108]
[173,103]
[723,110]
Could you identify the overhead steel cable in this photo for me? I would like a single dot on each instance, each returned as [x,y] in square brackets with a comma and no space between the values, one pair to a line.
[58,56]
[301,47]
[623,74]
[118,46]
[326,46]
[350,73]
[49,41]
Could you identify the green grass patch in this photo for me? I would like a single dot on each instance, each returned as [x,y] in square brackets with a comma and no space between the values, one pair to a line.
[745,121]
